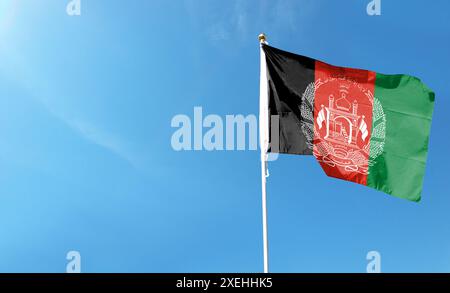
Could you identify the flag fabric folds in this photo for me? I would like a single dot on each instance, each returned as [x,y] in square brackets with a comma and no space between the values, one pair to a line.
[362,126]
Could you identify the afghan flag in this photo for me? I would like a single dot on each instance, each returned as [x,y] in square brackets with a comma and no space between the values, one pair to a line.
[362,126]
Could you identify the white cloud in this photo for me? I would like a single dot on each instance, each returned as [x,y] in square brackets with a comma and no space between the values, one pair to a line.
[217,23]
[19,70]
[242,19]
[102,138]
[218,33]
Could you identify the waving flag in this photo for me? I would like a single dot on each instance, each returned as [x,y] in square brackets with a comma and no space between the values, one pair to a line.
[362,126]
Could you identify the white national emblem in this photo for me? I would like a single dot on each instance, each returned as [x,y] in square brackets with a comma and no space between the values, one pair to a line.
[345,143]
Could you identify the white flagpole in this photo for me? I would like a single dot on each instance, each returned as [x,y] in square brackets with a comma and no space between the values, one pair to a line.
[264,144]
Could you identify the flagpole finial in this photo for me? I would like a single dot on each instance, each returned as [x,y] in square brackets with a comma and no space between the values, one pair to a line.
[262,38]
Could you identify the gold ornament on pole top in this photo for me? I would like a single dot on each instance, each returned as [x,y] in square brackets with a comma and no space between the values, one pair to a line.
[262,38]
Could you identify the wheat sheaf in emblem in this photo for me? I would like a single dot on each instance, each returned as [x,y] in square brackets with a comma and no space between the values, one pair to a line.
[334,133]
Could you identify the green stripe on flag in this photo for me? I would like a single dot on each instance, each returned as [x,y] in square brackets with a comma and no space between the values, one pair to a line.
[408,106]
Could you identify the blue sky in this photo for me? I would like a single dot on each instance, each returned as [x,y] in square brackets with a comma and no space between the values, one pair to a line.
[86,162]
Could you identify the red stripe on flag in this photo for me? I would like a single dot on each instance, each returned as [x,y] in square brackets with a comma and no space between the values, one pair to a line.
[345,97]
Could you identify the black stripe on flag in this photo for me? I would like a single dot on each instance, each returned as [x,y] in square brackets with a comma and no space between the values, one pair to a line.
[288,76]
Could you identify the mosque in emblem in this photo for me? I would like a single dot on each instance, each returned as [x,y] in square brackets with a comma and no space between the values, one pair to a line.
[342,120]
